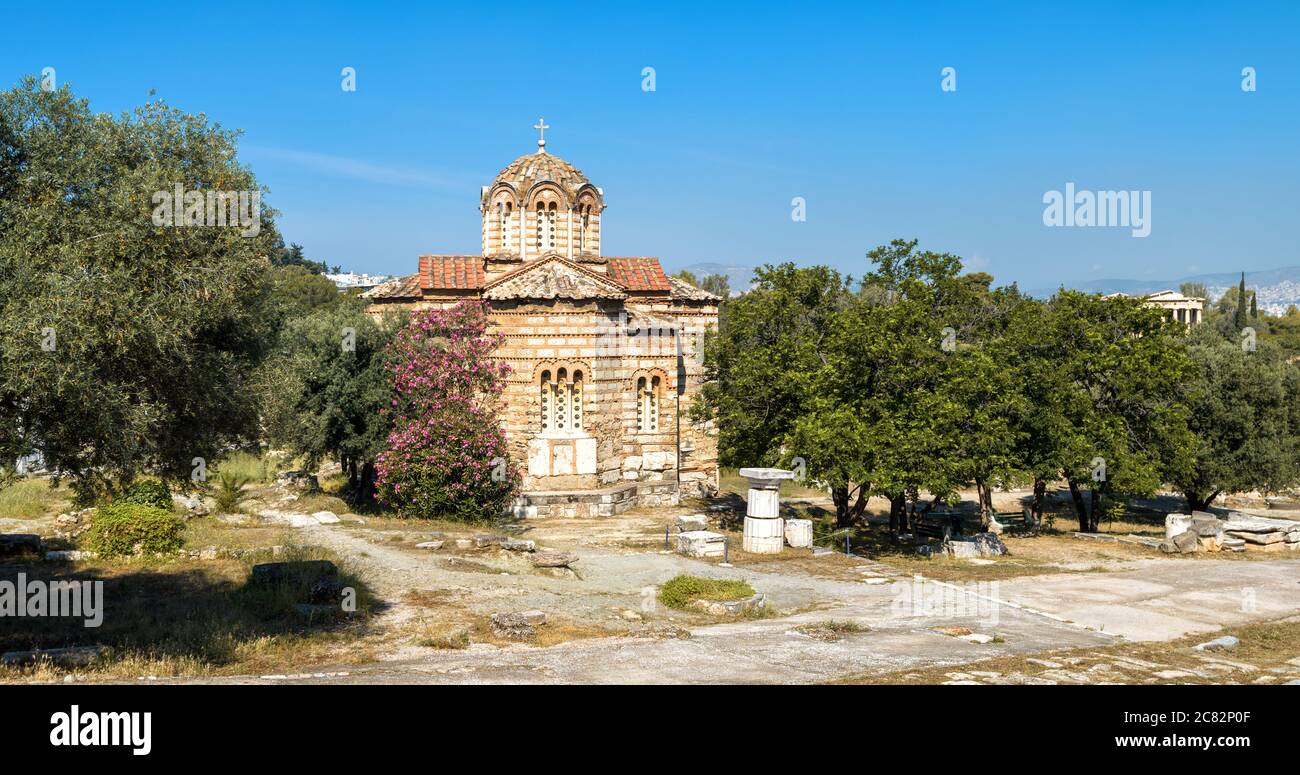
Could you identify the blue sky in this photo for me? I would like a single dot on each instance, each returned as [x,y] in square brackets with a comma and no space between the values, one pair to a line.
[754,104]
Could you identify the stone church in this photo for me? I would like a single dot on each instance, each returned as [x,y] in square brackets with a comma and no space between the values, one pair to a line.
[604,350]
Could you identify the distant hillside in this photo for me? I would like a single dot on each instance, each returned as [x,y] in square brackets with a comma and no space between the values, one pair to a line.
[739,278]
[1277,288]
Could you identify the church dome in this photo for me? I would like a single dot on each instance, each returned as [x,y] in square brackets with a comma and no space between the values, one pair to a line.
[528,170]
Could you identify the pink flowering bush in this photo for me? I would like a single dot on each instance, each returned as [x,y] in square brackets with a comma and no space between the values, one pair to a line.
[446,454]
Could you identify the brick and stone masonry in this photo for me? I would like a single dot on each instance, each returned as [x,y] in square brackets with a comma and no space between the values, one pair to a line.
[605,351]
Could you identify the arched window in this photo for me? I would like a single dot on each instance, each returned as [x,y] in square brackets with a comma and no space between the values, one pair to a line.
[584,229]
[548,402]
[575,401]
[561,401]
[647,405]
[504,211]
[546,225]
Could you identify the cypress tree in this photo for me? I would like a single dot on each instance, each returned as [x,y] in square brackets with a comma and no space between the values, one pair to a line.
[1254,308]
[1239,314]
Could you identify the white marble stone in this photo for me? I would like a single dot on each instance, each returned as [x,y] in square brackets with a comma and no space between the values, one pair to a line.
[1177,524]
[585,451]
[764,536]
[539,457]
[562,460]
[799,533]
[763,504]
[701,543]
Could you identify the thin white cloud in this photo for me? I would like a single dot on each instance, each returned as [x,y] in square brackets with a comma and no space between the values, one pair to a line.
[353,169]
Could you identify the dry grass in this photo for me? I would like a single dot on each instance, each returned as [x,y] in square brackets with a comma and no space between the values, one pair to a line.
[32,498]
[191,618]
[832,630]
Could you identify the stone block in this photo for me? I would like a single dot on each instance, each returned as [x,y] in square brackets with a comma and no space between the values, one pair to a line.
[799,533]
[1259,538]
[701,543]
[763,504]
[654,461]
[562,460]
[632,463]
[553,559]
[1176,524]
[539,457]
[1186,542]
[585,455]
[764,536]
[690,522]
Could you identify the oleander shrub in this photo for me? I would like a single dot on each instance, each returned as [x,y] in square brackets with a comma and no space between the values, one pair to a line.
[446,456]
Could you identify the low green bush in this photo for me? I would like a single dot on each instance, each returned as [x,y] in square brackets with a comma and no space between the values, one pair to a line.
[120,529]
[679,591]
[147,493]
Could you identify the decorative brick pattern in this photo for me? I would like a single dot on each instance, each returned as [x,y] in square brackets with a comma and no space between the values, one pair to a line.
[612,318]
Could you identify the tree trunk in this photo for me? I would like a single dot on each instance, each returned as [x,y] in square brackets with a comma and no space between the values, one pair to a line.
[897,513]
[859,505]
[840,496]
[1040,494]
[1094,516]
[1080,508]
[1197,502]
[985,495]
[366,485]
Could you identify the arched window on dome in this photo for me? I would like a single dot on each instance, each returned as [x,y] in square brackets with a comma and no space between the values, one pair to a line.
[584,229]
[504,212]
[551,211]
[647,405]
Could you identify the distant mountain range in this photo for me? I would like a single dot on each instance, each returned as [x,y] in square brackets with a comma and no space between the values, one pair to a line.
[739,278]
[1277,288]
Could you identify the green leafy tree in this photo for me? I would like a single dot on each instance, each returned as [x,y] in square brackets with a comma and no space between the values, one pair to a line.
[1123,367]
[326,390]
[127,345]
[294,255]
[298,291]
[1244,407]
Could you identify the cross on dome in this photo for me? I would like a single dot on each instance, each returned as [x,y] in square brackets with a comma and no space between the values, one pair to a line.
[541,126]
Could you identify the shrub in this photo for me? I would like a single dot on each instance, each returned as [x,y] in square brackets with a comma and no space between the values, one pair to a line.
[230,492]
[147,493]
[122,529]
[679,591]
[446,455]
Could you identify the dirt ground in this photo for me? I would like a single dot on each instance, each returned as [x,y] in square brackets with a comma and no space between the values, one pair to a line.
[891,614]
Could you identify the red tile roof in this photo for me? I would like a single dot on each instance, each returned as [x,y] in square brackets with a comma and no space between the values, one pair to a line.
[398,288]
[451,272]
[638,274]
